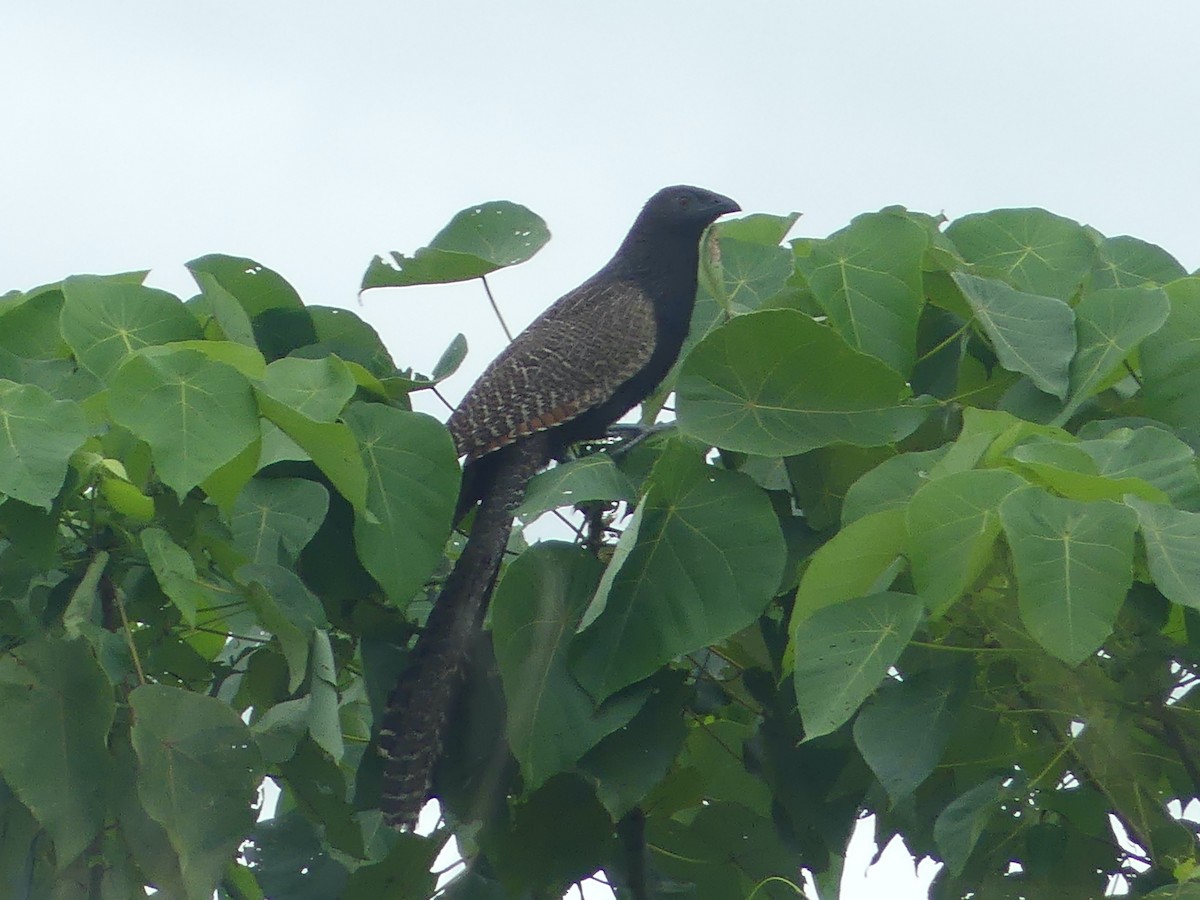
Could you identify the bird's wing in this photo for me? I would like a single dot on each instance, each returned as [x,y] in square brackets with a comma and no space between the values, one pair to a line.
[573,357]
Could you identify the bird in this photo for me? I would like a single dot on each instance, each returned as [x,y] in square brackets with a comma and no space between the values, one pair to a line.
[593,355]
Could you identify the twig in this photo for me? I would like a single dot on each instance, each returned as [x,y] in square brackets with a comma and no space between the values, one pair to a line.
[137,662]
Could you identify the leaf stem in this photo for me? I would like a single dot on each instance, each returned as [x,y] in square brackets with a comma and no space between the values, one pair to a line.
[496,308]
[137,662]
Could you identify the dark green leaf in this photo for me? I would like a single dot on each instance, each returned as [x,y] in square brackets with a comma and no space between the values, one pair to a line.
[1074,564]
[477,241]
[38,434]
[760,384]
[255,287]
[176,574]
[961,824]
[274,516]
[58,708]
[843,652]
[593,477]
[1170,360]
[413,481]
[1172,539]
[1031,334]
[401,875]
[1148,453]
[890,484]
[451,358]
[706,561]
[552,721]
[285,608]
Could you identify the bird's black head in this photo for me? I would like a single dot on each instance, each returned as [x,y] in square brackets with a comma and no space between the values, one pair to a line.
[686,209]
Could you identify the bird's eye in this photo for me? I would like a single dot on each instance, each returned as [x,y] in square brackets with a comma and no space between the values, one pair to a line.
[683,202]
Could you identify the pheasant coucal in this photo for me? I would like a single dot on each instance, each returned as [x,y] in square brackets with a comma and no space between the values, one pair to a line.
[581,365]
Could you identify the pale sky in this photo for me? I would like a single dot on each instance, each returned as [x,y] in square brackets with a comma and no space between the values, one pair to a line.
[312,135]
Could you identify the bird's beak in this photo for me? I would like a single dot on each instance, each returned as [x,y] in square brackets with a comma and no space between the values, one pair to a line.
[722,205]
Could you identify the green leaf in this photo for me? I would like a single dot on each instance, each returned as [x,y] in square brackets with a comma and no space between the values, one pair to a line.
[760,384]
[706,562]
[903,730]
[1110,324]
[404,874]
[411,492]
[287,609]
[961,824]
[199,773]
[342,332]
[38,434]
[1125,261]
[477,241]
[58,708]
[953,523]
[552,721]
[752,272]
[867,278]
[1172,539]
[1150,454]
[175,572]
[105,321]
[246,360]
[331,445]
[232,320]
[843,652]
[324,723]
[256,288]
[315,388]
[1072,472]
[30,329]
[852,562]
[195,414]
[1074,565]
[1037,251]
[452,357]
[1170,360]
[274,516]
[1031,334]
[890,484]
[593,477]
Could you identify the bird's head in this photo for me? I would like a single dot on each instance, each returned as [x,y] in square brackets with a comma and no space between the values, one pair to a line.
[686,209]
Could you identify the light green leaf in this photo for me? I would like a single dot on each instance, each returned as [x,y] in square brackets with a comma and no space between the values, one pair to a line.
[760,384]
[593,477]
[176,574]
[195,414]
[867,278]
[1074,565]
[246,360]
[852,561]
[199,771]
[477,241]
[1151,454]
[58,708]
[1031,334]
[1172,539]
[1037,251]
[38,434]
[1109,325]
[953,524]
[1071,471]
[890,484]
[707,560]
[752,272]
[315,388]
[285,608]
[105,321]
[1124,261]
[843,652]
[413,482]
[552,721]
[277,515]
[331,445]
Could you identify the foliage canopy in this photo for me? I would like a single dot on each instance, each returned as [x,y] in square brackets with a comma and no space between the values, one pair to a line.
[925,542]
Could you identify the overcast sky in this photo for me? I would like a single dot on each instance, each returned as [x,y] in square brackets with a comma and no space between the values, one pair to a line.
[312,135]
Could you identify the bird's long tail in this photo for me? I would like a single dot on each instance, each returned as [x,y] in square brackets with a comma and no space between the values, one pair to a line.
[410,736]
